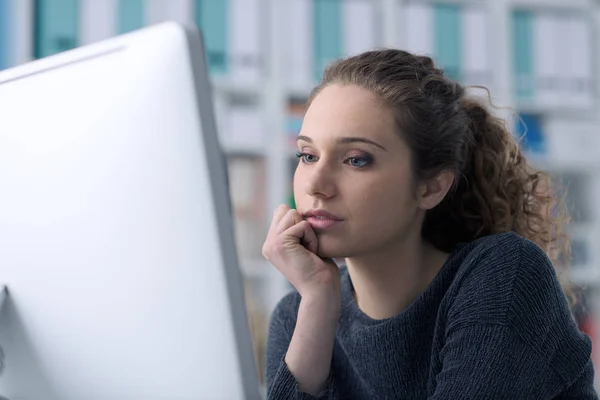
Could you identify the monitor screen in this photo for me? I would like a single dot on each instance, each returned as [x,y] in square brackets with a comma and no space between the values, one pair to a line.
[116,231]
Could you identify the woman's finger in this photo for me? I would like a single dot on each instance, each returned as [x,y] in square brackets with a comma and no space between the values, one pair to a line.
[278,214]
[291,218]
[309,240]
[305,234]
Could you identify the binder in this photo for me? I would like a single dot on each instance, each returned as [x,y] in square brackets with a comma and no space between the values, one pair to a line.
[98,20]
[476,48]
[327,39]
[547,58]
[56,26]
[359,26]
[6,17]
[456,36]
[244,40]
[298,51]
[181,11]
[523,61]
[213,18]
[578,88]
[447,43]
[131,15]
[419,28]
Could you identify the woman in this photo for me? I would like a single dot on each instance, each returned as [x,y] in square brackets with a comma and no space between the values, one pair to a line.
[449,289]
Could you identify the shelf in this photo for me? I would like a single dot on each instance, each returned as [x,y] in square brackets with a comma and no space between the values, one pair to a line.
[552,4]
[244,149]
[300,92]
[580,112]
[586,276]
[232,88]
[549,163]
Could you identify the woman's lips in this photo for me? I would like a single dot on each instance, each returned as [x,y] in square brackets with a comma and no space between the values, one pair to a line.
[322,223]
[321,219]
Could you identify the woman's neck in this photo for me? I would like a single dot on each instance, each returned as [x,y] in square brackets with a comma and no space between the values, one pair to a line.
[389,281]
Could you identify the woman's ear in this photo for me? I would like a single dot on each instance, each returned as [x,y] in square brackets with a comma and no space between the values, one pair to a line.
[433,191]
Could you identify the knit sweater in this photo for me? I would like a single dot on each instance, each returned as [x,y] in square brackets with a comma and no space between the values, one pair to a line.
[493,324]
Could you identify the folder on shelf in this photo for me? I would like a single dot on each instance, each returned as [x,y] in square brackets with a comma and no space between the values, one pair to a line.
[418,28]
[56,26]
[328,35]
[170,10]
[456,36]
[245,56]
[6,36]
[98,20]
[523,59]
[359,26]
[298,49]
[577,58]
[447,39]
[475,46]
[213,18]
[131,15]
[547,58]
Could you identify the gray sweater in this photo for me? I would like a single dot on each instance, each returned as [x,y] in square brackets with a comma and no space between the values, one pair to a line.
[493,324]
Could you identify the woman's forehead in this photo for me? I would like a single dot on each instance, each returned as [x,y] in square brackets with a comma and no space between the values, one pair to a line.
[348,111]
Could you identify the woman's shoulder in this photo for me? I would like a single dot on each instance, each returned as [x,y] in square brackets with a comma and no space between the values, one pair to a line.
[500,244]
[506,257]
[508,280]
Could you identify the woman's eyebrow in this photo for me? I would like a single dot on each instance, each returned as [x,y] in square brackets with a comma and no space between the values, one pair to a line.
[344,140]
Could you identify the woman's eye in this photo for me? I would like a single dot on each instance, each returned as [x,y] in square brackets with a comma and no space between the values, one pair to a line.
[306,158]
[358,162]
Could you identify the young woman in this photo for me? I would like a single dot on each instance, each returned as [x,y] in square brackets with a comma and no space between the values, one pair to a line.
[449,289]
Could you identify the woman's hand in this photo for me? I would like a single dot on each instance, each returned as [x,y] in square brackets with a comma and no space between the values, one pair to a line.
[291,246]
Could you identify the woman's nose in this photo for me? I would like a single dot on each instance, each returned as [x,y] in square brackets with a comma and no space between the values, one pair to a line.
[321,182]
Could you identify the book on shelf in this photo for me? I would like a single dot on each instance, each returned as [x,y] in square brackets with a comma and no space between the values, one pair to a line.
[455,35]
[319,32]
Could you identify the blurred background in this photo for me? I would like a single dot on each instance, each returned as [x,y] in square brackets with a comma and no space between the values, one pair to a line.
[540,58]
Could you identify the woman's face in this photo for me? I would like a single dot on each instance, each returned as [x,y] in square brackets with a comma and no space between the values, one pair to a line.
[355,167]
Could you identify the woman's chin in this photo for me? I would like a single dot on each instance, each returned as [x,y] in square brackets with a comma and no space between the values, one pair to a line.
[328,249]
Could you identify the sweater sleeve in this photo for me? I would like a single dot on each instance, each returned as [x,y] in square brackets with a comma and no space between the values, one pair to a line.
[281,384]
[510,332]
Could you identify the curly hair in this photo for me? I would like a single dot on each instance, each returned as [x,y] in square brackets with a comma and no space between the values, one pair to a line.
[495,189]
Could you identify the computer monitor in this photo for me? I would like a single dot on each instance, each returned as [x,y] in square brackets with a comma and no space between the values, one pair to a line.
[116,234]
